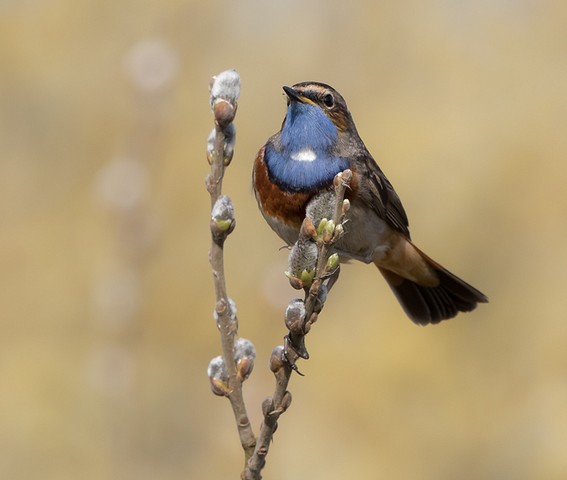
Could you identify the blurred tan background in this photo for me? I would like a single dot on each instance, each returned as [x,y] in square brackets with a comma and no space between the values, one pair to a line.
[105,288]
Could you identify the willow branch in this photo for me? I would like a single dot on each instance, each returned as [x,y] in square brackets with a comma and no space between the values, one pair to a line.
[314,269]
[226,372]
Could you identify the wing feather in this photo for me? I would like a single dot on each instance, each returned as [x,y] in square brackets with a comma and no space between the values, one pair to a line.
[382,197]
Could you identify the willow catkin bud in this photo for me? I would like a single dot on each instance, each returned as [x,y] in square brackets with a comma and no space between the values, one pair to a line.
[277,360]
[228,146]
[225,90]
[218,376]
[225,85]
[302,262]
[321,206]
[295,315]
[223,220]
[244,356]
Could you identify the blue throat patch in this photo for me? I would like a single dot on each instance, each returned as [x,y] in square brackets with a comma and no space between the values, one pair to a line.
[305,162]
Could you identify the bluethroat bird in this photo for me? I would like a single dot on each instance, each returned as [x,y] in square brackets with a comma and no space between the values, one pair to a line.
[317,140]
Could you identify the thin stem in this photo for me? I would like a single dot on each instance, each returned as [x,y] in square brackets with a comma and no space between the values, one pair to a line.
[226,319]
[276,405]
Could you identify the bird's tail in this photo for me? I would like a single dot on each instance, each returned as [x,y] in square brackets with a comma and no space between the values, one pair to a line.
[431,304]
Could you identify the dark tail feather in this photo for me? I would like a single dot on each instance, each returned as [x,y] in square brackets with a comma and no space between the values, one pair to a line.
[426,305]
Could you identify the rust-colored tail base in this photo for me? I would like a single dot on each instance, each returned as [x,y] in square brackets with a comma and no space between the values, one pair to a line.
[425,305]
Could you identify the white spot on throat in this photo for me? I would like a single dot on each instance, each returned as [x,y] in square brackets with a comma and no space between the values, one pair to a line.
[304,155]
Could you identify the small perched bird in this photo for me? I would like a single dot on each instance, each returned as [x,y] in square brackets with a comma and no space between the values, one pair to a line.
[317,140]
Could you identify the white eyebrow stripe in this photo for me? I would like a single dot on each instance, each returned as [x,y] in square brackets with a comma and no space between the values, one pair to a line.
[304,155]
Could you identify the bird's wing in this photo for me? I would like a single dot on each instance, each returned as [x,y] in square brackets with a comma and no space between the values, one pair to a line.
[383,198]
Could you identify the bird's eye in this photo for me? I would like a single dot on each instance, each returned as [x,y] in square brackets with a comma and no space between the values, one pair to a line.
[328,100]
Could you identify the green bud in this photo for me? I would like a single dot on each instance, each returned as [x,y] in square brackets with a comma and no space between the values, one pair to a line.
[307,278]
[222,225]
[328,231]
[321,226]
[333,262]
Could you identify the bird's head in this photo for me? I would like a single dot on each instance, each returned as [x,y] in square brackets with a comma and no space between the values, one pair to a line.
[305,96]
[316,115]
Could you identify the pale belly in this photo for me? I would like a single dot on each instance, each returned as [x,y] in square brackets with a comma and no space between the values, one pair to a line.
[289,234]
[367,237]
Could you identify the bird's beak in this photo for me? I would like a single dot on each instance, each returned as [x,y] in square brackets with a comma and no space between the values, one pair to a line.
[293,94]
